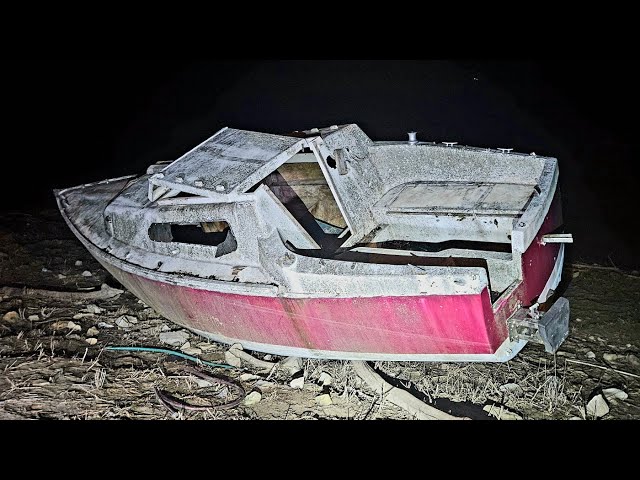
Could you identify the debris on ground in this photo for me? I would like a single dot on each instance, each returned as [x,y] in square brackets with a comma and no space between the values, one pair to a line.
[297,383]
[93,331]
[189,350]
[614,394]
[175,339]
[324,400]
[291,364]
[597,407]
[87,273]
[325,379]
[126,321]
[253,398]
[500,412]
[11,316]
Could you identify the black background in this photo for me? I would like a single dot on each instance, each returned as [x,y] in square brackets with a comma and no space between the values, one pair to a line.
[89,114]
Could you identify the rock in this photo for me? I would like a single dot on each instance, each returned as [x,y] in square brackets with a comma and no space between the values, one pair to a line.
[87,273]
[73,326]
[202,383]
[253,398]
[597,407]
[105,325]
[93,331]
[325,379]
[578,319]
[614,394]
[175,339]
[33,318]
[61,325]
[189,350]
[324,400]
[206,346]
[592,338]
[165,328]
[248,377]
[576,274]
[11,316]
[633,360]
[91,341]
[79,316]
[268,357]
[575,418]
[297,383]
[61,276]
[44,269]
[610,357]
[231,359]
[291,364]
[590,354]
[94,309]
[512,388]
[78,263]
[127,321]
[501,413]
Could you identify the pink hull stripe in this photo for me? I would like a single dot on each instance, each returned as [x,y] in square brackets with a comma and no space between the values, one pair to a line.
[398,325]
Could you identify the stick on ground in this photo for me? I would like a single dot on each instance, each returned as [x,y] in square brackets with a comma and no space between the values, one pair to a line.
[401,398]
[105,292]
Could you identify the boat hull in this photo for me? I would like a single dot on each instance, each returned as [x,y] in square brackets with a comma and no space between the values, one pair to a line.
[413,328]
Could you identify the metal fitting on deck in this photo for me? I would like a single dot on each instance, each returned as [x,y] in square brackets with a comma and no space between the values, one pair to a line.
[413,138]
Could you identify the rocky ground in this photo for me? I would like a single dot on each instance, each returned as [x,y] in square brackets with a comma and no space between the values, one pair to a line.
[54,364]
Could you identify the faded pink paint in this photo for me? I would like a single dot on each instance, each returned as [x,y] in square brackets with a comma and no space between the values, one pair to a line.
[427,324]
[413,324]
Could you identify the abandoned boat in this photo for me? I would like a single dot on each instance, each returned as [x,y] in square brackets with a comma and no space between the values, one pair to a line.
[324,243]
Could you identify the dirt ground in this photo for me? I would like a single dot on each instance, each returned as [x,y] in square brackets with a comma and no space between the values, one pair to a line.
[53,361]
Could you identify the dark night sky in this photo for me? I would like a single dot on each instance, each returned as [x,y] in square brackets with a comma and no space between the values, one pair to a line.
[115,114]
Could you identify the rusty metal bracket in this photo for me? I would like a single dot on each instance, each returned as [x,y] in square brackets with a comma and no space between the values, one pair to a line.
[550,329]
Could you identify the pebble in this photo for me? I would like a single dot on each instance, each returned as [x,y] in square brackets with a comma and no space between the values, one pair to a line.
[231,359]
[105,325]
[614,394]
[79,316]
[126,321]
[576,274]
[91,341]
[78,263]
[33,318]
[253,398]
[11,316]
[86,273]
[247,377]
[205,346]
[44,269]
[61,276]
[633,360]
[94,309]
[325,379]
[597,407]
[93,331]
[501,413]
[590,354]
[610,357]
[511,388]
[297,383]
[73,326]
[292,364]
[324,400]
[189,350]
[175,339]
[268,357]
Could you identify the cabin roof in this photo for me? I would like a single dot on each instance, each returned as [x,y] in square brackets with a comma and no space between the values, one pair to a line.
[230,161]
